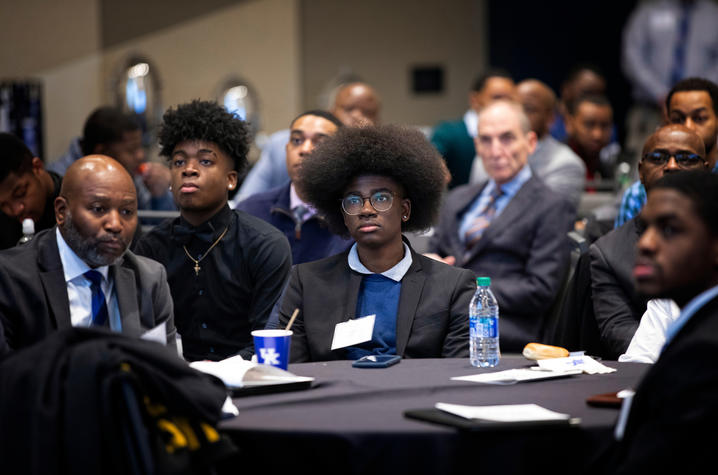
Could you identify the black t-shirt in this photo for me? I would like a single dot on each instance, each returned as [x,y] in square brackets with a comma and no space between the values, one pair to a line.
[237,285]
[11,228]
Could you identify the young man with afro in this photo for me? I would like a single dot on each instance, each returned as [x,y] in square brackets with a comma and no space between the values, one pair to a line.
[225,268]
[373,183]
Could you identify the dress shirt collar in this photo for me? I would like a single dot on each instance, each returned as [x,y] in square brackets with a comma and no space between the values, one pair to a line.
[688,311]
[471,119]
[396,273]
[510,188]
[72,265]
[295,200]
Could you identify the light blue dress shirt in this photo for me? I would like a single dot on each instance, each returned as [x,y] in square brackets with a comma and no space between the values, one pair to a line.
[509,189]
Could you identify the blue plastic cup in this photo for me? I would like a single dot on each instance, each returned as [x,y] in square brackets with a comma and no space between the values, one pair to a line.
[272,347]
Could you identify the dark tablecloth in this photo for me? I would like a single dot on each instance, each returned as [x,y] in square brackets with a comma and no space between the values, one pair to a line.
[351,421]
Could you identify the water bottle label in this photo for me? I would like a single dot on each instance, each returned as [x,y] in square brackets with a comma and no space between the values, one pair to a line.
[487,327]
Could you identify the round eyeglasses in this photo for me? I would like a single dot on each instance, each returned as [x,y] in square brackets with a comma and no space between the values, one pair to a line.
[683,159]
[381,201]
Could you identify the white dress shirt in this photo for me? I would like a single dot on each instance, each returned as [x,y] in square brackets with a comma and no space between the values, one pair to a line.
[79,293]
[646,344]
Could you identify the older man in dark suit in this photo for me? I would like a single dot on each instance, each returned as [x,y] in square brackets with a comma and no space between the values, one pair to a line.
[511,228]
[80,272]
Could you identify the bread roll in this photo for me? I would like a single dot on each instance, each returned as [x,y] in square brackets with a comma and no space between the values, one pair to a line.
[537,351]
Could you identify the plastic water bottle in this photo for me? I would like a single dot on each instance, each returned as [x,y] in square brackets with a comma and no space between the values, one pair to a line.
[28,231]
[484,326]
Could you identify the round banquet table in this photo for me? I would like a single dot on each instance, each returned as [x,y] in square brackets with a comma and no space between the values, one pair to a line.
[352,421]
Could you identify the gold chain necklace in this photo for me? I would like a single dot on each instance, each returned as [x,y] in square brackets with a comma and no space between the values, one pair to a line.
[197,261]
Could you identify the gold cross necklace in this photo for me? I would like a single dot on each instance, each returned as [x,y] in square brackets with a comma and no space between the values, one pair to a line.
[197,261]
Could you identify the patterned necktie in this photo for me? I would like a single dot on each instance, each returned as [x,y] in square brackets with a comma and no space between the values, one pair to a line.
[482,221]
[298,212]
[99,306]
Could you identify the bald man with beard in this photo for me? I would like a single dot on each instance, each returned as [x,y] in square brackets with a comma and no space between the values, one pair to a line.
[80,273]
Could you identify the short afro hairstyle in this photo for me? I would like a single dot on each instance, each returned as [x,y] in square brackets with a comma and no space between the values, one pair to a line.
[399,153]
[597,99]
[209,122]
[15,157]
[481,80]
[694,84]
[319,113]
[701,187]
[104,126]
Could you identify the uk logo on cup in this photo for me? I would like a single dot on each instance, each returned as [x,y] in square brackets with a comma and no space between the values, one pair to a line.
[272,347]
[269,356]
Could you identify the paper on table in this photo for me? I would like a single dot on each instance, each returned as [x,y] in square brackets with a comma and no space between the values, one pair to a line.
[511,376]
[353,332]
[157,334]
[236,372]
[503,413]
[584,363]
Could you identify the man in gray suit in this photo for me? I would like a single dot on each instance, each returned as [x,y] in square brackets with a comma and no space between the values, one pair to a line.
[552,161]
[511,227]
[80,273]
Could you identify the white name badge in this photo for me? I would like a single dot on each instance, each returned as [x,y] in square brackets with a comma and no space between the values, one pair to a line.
[353,332]
[158,334]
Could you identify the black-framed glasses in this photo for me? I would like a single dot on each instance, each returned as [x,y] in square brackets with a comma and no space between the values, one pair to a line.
[381,201]
[683,159]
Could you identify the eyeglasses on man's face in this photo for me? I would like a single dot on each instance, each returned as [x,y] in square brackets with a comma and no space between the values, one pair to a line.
[381,201]
[683,159]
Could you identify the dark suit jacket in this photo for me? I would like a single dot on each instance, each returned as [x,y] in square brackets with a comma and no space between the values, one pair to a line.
[672,423]
[432,319]
[315,240]
[525,251]
[616,305]
[33,293]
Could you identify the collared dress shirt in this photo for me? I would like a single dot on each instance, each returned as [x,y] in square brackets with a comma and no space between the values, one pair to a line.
[79,293]
[508,189]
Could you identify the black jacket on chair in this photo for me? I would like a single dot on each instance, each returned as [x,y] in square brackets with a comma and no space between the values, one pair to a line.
[61,400]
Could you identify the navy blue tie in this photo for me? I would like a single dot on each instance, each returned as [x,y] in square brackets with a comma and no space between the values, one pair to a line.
[99,307]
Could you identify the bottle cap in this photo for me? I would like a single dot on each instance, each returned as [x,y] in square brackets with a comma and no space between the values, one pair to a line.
[28,226]
[483,281]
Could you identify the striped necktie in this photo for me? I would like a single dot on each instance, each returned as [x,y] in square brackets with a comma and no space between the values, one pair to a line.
[482,221]
[299,212]
[99,306]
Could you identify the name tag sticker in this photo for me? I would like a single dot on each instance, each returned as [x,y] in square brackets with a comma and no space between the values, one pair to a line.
[158,334]
[353,332]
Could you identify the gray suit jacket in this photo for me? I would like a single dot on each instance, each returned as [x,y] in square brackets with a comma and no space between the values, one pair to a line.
[616,305]
[34,301]
[525,251]
[432,319]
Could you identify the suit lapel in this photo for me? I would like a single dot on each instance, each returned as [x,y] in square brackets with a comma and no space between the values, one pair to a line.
[518,205]
[126,292]
[52,277]
[411,286]
[345,305]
